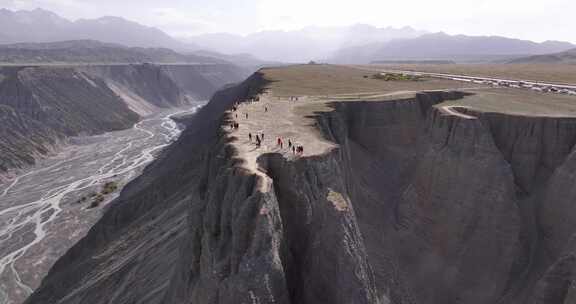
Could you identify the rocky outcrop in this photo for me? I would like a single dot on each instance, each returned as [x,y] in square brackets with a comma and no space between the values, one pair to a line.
[416,203]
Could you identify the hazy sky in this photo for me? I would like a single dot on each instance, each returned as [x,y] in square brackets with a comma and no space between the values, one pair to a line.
[530,19]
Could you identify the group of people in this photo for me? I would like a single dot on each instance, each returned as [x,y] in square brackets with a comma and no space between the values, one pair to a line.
[293,98]
[291,146]
[259,138]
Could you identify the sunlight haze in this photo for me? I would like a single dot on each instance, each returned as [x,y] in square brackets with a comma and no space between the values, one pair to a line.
[537,20]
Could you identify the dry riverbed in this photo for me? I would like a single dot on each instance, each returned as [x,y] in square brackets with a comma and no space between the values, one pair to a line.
[48,208]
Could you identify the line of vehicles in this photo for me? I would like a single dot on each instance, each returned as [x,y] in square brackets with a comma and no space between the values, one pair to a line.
[506,83]
[535,86]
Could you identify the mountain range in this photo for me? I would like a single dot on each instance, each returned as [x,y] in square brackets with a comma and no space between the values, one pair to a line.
[92,51]
[358,43]
[40,25]
[448,47]
[562,57]
[310,43]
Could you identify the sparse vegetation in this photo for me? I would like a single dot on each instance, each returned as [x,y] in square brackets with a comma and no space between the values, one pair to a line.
[109,187]
[324,80]
[98,198]
[97,201]
[396,77]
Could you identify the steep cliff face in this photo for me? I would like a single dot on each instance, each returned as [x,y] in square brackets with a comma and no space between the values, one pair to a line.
[534,146]
[323,252]
[458,222]
[201,81]
[170,196]
[461,206]
[42,106]
[17,148]
[238,241]
[147,82]
[432,229]
[555,215]
[414,202]
[146,86]
[481,214]
[539,151]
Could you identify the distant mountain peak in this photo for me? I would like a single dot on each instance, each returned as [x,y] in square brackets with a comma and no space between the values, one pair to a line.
[113,20]
[442,46]
[303,45]
[441,35]
[41,25]
[41,11]
[362,26]
[566,57]
[91,51]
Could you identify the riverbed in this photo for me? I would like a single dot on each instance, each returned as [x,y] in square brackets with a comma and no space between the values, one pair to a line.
[48,208]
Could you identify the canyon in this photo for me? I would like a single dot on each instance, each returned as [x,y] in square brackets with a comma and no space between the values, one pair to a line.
[42,106]
[72,137]
[405,192]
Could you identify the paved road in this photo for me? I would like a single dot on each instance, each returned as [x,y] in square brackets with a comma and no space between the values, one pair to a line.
[41,215]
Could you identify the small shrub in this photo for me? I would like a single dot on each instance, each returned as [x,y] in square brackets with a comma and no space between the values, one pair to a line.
[97,201]
[109,187]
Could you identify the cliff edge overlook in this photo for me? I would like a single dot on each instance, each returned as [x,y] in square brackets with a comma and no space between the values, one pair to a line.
[421,191]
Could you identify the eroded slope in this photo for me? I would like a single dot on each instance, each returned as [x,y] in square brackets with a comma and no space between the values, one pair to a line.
[43,106]
[410,197]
